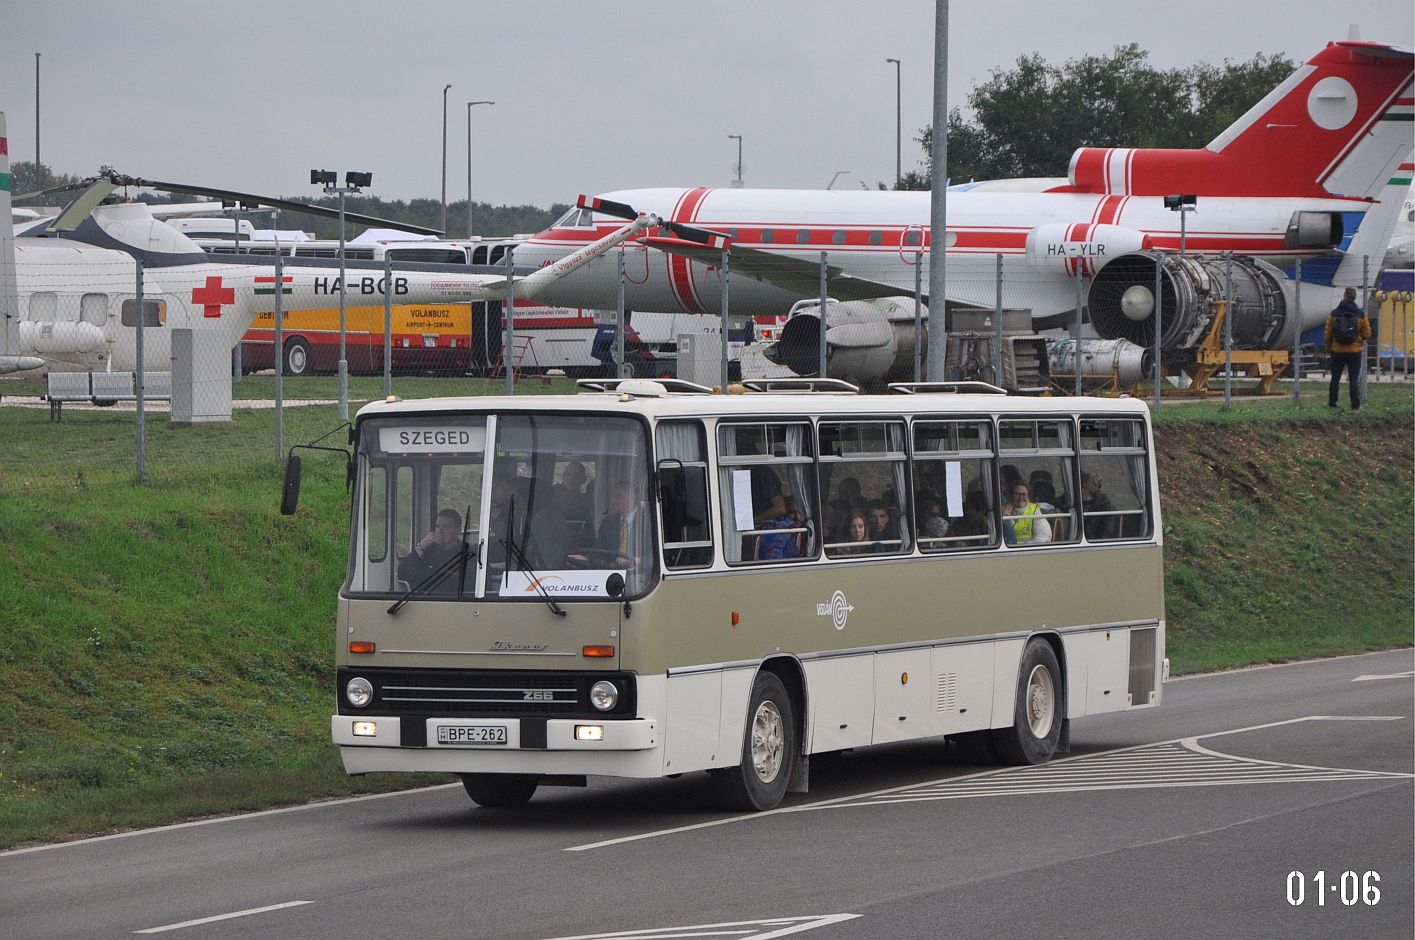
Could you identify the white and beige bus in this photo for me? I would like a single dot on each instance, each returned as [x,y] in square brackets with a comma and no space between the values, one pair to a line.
[647,579]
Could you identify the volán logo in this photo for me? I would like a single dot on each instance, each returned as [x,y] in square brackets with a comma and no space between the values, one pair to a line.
[837,609]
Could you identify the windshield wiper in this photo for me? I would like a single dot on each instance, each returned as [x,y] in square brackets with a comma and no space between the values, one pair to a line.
[457,562]
[513,551]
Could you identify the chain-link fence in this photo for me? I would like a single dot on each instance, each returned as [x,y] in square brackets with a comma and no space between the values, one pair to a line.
[1058,325]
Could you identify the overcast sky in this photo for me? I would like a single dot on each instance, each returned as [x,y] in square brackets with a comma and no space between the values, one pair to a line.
[590,96]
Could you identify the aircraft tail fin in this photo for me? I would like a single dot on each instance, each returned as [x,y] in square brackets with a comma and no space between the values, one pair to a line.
[1362,256]
[1338,126]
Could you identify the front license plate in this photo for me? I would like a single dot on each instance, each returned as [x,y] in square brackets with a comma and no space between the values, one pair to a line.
[471,734]
[429,342]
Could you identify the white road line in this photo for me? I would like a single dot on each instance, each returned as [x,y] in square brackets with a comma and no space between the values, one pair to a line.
[225,819]
[1158,765]
[775,927]
[210,920]
[1393,675]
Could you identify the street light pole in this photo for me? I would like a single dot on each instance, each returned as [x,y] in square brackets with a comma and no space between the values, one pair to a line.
[738,138]
[470,104]
[444,156]
[353,182]
[898,126]
[37,177]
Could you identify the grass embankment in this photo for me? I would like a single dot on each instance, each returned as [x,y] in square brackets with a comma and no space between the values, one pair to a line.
[168,646]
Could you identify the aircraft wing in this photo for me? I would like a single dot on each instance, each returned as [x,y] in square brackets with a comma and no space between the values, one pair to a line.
[794,274]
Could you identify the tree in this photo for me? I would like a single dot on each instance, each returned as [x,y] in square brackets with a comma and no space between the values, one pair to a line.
[1027,121]
[26,176]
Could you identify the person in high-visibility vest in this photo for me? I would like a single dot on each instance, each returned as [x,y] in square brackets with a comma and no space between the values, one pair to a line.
[1022,521]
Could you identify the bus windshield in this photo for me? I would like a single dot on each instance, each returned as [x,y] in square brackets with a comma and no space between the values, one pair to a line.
[547,505]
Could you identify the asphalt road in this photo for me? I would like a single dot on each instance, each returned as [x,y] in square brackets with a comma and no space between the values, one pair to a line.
[1182,821]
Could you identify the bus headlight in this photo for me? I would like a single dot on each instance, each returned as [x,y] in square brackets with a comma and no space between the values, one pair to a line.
[359,692]
[603,695]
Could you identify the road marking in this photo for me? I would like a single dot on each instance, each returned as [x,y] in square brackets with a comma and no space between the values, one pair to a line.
[210,920]
[744,929]
[1180,762]
[1393,675]
[319,804]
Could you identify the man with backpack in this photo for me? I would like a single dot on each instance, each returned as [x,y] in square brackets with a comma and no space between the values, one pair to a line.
[1346,333]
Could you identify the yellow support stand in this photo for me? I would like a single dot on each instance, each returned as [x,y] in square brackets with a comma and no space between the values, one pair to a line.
[1207,360]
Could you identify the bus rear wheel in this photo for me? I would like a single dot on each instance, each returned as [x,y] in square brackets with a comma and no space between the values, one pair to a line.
[768,750]
[297,357]
[500,790]
[1038,713]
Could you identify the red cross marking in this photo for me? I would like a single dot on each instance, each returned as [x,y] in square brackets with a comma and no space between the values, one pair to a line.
[213,296]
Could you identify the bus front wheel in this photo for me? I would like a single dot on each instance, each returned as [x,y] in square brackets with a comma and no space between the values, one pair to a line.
[1038,713]
[500,790]
[297,357]
[768,750]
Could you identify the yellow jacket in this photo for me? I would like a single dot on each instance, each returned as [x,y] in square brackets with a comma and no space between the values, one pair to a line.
[1363,333]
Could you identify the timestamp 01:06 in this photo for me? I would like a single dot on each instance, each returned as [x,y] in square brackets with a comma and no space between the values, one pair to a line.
[1348,886]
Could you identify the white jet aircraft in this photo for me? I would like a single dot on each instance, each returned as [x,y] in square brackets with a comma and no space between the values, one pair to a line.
[1312,172]
[68,284]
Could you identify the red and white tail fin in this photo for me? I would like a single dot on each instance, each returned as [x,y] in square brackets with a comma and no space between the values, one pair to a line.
[1338,126]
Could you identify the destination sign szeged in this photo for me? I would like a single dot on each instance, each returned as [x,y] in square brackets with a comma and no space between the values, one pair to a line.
[432,440]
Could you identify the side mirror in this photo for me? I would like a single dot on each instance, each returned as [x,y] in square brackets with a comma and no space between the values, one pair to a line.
[614,585]
[684,493]
[290,492]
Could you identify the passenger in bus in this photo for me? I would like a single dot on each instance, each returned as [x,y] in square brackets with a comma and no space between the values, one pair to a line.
[856,533]
[622,537]
[1043,490]
[1095,501]
[569,495]
[434,550]
[1008,475]
[777,545]
[976,524]
[768,502]
[884,530]
[933,523]
[1022,522]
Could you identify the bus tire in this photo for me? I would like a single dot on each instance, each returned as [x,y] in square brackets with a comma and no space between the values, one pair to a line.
[296,357]
[768,750]
[500,790]
[1038,712]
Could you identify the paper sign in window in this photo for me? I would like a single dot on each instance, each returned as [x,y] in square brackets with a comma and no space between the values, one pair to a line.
[742,499]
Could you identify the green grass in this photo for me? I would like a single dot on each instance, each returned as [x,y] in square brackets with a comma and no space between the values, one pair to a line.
[168,647]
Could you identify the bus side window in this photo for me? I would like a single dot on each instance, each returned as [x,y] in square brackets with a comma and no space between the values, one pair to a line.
[1114,480]
[955,470]
[766,485]
[683,476]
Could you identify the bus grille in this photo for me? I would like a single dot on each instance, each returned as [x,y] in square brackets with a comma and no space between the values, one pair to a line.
[471,693]
[1142,666]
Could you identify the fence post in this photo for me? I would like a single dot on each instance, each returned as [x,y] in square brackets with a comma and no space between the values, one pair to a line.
[1076,368]
[509,304]
[138,377]
[388,327]
[825,297]
[998,378]
[919,315]
[620,327]
[1159,332]
[1297,335]
[726,287]
[279,353]
[1228,331]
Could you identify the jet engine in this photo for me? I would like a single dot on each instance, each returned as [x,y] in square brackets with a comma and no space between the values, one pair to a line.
[1102,359]
[1122,301]
[67,336]
[868,342]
